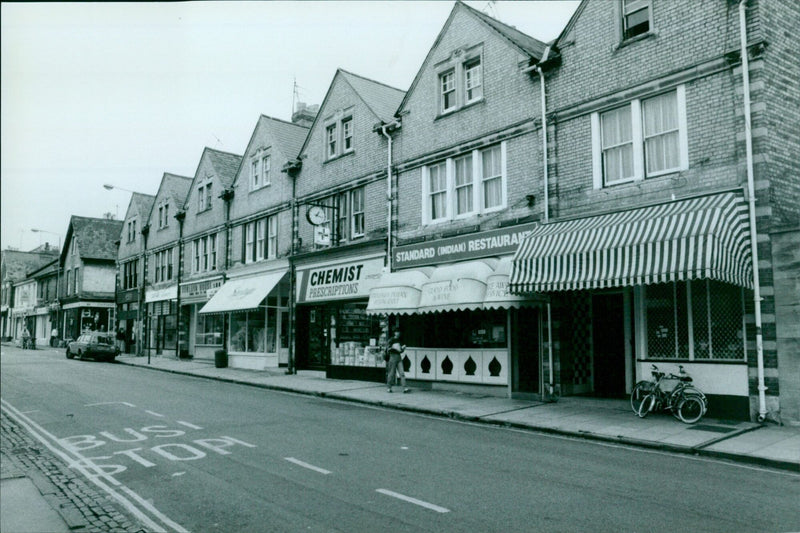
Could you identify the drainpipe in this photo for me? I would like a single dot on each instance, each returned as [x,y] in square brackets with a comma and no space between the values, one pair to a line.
[384,128]
[180,216]
[544,151]
[751,201]
[143,331]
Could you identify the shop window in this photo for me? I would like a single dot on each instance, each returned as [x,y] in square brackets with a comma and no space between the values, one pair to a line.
[696,320]
[247,331]
[456,329]
[209,330]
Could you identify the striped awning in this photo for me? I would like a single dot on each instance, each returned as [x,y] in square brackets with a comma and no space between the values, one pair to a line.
[699,238]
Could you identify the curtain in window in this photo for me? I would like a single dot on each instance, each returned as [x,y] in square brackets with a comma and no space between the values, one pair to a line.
[617,140]
[464,185]
[272,244]
[492,178]
[662,150]
[437,176]
[261,236]
[238,332]
[357,207]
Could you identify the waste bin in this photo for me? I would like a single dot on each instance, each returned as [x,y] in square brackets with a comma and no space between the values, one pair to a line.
[221,359]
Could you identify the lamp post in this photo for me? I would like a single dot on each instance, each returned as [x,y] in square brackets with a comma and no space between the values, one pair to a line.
[58,268]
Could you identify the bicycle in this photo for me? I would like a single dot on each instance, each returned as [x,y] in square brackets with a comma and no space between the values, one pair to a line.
[686,402]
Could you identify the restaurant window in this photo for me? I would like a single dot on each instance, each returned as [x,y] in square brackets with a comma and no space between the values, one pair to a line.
[456,329]
[694,320]
[209,330]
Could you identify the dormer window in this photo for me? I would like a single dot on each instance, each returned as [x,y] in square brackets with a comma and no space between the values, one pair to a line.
[339,138]
[636,18]
[460,80]
[204,197]
[131,230]
[260,169]
[163,215]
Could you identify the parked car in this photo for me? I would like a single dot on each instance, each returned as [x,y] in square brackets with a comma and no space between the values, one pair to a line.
[93,345]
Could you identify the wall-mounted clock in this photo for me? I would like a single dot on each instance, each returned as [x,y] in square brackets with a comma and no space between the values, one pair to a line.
[316,215]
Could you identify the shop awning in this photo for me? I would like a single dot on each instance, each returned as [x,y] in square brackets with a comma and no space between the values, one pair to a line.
[397,293]
[699,238]
[242,294]
[498,295]
[456,287]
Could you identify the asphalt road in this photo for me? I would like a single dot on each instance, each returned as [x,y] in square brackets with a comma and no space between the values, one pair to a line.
[188,454]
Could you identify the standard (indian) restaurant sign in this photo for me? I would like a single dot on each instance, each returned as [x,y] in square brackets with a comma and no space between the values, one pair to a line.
[338,281]
[484,244]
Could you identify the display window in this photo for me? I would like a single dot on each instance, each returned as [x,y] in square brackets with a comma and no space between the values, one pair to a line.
[456,329]
[209,330]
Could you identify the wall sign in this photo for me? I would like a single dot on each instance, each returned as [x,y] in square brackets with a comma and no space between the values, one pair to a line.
[339,281]
[484,244]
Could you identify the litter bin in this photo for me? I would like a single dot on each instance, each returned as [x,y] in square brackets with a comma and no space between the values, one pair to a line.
[221,359]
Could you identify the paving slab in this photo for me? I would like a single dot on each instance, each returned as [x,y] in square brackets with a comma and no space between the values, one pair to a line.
[24,509]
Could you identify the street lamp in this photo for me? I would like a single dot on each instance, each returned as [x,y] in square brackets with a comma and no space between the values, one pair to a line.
[58,266]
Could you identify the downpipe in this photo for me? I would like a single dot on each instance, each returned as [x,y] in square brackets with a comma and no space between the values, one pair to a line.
[751,202]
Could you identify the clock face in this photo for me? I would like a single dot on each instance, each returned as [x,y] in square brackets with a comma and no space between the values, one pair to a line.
[316,215]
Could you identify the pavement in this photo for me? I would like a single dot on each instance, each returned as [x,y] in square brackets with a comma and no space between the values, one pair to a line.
[29,502]
[606,420]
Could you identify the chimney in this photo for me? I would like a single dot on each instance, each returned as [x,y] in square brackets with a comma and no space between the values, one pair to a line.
[304,114]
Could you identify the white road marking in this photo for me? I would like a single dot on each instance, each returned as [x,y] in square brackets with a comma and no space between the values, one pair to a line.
[94,473]
[188,425]
[153,413]
[306,465]
[108,403]
[403,447]
[176,474]
[29,412]
[415,501]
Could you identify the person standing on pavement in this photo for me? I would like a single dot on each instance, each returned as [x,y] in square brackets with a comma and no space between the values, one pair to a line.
[394,366]
[54,338]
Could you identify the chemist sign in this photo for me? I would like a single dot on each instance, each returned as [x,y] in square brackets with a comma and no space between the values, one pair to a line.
[340,281]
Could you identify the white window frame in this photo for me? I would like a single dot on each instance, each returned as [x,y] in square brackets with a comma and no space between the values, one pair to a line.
[483,179]
[628,7]
[451,211]
[157,272]
[212,239]
[473,192]
[272,237]
[446,88]
[205,263]
[347,134]
[337,132]
[260,231]
[196,263]
[469,65]
[639,173]
[249,242]
[331,140]
[355,215]
[255,173]
[266,167]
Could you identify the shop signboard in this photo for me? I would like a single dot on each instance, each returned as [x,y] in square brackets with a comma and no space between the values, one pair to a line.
[198,291]
[339,281]
[156,295]
[500,241]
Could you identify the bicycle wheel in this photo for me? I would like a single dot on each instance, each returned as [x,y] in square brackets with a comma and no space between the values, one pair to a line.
[691,409]
[647,405]
[640,391]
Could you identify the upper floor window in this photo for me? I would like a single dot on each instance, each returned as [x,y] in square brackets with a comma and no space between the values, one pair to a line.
[164,265]
[260,239]
[76,275]
[260,170]
[204,253]
[74,247]
[130,274]
[460,80]
[339,137]
[636,17]
[467,185]
[204,197]
[643,139]
[163,215]
[131,230]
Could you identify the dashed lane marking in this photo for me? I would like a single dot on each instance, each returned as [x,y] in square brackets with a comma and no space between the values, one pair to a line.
[187,424]
[109,403]
[415,501]
[154,413]
[306,465]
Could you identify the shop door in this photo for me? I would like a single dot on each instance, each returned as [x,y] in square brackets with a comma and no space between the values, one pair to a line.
[283,328]
[608,326]
[525,350]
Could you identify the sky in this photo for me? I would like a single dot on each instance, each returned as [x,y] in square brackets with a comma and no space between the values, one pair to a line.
[119,93]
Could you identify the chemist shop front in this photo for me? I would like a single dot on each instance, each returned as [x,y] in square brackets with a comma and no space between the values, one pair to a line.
[462,327]
[333,331]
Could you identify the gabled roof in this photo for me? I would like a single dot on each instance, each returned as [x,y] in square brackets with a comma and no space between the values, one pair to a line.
[525,44]
[96,237]
[379,98]
[565,32]
[288,136]
[16,264]
[143,203]
[225,165]
[175,187]
[49,268]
